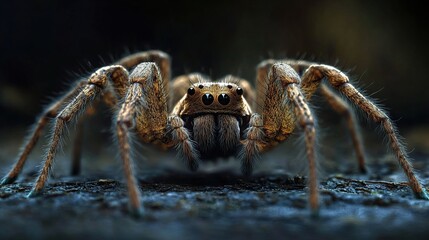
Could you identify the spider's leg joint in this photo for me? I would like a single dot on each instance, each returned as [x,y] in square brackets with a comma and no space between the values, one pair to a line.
[336,77]
[284,73]
[126,120]
[101,77]
[145,72]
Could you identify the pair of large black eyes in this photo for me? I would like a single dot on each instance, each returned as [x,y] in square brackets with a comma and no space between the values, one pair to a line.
[222,98]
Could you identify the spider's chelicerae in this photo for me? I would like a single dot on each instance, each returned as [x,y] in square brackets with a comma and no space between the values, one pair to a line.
[207,120]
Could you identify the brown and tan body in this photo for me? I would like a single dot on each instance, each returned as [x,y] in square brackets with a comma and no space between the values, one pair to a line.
[216,115]
[206,120]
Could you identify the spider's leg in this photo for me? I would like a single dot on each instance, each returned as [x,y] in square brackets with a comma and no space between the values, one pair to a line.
[338,104]
[96,83]
[285,79]
[311,80]
[32,139]
[343,108]
[161,59]
[283,104]
[110,97]
[125,122]
[145,111]
[252,144]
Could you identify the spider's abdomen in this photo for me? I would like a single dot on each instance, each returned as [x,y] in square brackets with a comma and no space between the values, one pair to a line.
[216,135]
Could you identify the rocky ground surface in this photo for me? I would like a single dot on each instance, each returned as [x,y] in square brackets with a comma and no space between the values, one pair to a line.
[216,205]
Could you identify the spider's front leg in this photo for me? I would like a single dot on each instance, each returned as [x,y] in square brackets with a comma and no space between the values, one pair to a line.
[144,111]
[283,106]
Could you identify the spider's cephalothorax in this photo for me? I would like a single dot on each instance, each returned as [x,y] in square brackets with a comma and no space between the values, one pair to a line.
[215,114]
[207,120]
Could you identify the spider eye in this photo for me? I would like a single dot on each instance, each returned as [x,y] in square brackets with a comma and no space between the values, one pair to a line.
[239,91]
[229,86]
[191,91]
[223,99]
[200,86]
[208,99]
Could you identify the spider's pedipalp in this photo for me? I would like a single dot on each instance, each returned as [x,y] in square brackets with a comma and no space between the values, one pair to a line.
[185,146]
[252,144]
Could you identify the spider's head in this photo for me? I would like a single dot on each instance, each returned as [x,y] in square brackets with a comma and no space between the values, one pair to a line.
[214,98]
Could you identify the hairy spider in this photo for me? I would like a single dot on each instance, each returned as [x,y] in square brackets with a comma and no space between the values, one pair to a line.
[206,120]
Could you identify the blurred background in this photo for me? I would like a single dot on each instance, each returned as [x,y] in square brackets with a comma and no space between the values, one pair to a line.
[45,45]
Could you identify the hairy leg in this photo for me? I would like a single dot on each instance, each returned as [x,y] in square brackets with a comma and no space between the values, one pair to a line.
[306,122]
[334,101]
[120,88]
[94,86]
[283,106]
[144,111]
[310,82]
[125,123]
[287,79]
[50,112]
[343,108]
[161,59]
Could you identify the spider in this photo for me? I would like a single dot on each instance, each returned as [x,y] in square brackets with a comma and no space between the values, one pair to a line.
[205,119]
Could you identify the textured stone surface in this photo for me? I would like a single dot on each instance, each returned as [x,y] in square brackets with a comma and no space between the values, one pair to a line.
[215,205]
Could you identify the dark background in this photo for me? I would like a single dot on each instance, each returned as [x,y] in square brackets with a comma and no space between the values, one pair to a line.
[383,45]
[45,44]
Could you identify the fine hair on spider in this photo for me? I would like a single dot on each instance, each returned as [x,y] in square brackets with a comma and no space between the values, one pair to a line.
[205,120]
